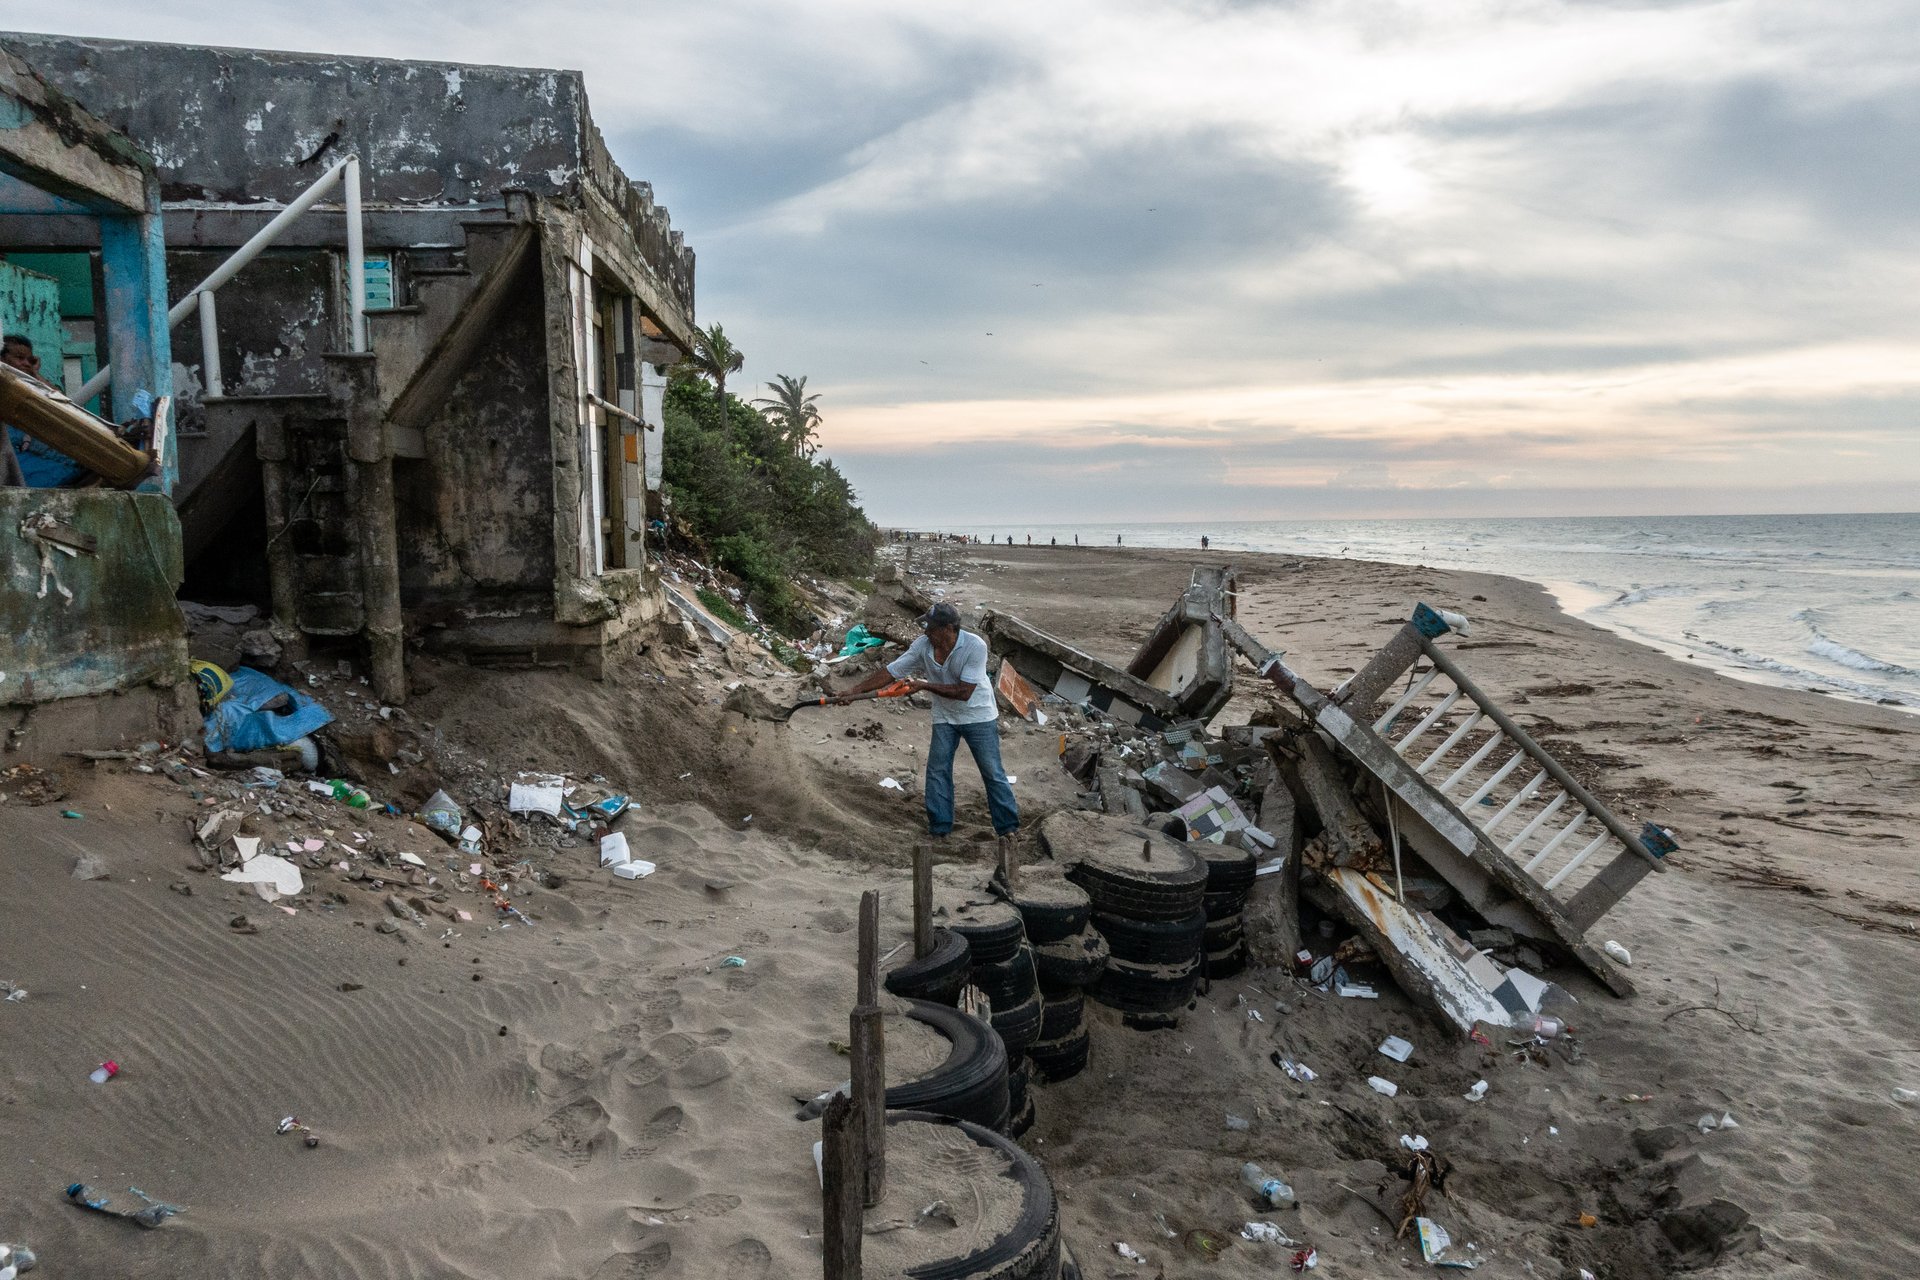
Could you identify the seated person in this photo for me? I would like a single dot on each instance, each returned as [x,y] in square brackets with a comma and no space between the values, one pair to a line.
[27,461]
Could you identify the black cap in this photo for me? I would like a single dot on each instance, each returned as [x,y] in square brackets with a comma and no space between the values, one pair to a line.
[941,615]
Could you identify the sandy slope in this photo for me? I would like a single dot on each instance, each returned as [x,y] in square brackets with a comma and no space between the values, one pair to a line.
[608,1100]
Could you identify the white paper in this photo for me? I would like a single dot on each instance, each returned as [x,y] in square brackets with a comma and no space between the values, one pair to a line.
[891,784]
[247,845]
[613,848]
[273,872]
[412,860]
[537,797]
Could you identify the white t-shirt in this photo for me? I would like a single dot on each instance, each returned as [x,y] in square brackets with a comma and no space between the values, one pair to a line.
[967,664]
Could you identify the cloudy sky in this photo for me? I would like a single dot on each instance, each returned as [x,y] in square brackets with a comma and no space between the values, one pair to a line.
[1108,260]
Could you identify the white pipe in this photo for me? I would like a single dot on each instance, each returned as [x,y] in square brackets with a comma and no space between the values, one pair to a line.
[210,346]
[1574,863]
[1453,740]
[241,257]
[356,259]
[1380,725]
[1486,788]
[1473,762]
[1525,794]
[1560,838]
[1445,705]
[1540,819]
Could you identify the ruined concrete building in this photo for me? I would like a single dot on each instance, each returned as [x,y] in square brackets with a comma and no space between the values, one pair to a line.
[429,408]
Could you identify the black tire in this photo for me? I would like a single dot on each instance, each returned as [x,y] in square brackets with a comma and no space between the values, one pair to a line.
[993,931]
[1022,1120]
[1009,983]
[1132,988]
[1030,1249]
[1229,867]
[1019,1076]
[1221,905]
[1071,965]
[1051,907]
[1221,934]
[1103,855]
[1225,964]
[971,1084]
[1152,942]
[1019,1026]
[1062,1059]
[938,976]
[1063,1016]
[1150,1021]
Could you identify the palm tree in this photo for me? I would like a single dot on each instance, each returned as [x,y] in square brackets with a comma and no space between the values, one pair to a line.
[795,411]
[714,356]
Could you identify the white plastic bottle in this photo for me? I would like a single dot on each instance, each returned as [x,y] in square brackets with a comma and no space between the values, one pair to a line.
[1270,1192]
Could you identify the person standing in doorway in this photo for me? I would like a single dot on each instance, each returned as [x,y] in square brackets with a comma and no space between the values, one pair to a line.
[951,664]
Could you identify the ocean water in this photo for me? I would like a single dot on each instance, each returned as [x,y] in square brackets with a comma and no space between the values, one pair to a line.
[1825,602]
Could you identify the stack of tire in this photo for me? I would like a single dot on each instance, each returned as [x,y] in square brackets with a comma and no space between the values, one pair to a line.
[939,976]
[1229,881]
[1069,956]
[972,1084]
[1028,1248]
[1147,893]
[1004,969]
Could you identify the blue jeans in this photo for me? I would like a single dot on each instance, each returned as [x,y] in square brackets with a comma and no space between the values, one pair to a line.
[983,739]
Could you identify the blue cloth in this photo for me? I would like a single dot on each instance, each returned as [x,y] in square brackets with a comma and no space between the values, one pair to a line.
[983,739]
[238,724]
[41,465]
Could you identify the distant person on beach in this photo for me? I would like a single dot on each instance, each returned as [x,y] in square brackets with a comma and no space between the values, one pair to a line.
[951,664]
[1203,542]
[1029,539]
[1076,539]
[1116,539]
[1009,539]
[1053,542]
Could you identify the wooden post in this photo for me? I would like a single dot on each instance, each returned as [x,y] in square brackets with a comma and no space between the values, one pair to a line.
[922,899]
[1009,862]
[841,1217]
[867,1036]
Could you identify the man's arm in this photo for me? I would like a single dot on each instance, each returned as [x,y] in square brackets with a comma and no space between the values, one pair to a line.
[885,675]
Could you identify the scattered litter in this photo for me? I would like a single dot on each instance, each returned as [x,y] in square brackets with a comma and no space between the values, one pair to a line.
[1265,1233]
[1295,1070]
[16,1259]
[1619,953]
[733,962]
[71,813]
[1435,1241]
[613,848]
[412,860]
[1253,1015]
[152,1216]
[1396,1048]
[1128,1252]
[270,873]
[1708,1122]
[637,870]
[1478,1092]
[891,784]
[1414,1142]
[1586,1222]
[1636,1097]
[1899,1095]
[1355,991]
[1236,1124]
[104,1072]
[941,1211]
[91,866]
[1378,1085]
[544,794]
[15,994]
[1305,1260]
[441,814]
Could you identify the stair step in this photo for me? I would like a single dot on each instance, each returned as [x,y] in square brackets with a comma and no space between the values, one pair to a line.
[439,271]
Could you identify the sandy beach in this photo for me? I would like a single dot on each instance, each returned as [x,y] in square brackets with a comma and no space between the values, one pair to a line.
[598,1093]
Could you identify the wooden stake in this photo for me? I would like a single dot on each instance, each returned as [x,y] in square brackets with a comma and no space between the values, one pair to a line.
[922,899]
[868,986]
[841,1217]
[1009,862]
[867,1035]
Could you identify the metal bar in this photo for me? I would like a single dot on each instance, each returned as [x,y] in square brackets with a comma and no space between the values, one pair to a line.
[1525,794]
[1534,749]
[1559,838]
[356,257]
[1573,863]
[227,270]
[210,345]
[1380,725]
[1453,740]
[1445,705]
[614,409]
[1487,787]
[1473,762]
[1540,819]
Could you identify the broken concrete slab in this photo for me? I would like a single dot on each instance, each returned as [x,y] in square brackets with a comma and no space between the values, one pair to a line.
[1055,666]
[1186,655]
[1423,964]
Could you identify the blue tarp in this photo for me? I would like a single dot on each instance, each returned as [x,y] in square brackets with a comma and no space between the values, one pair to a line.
[238,723]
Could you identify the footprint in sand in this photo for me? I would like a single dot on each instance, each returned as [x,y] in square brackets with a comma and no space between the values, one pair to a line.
[748,1259]
[716,1205]
[670,1051]
[650,1261]
[833,921]
[570,1135]
[757,938]
[666,1123]
[707,1067]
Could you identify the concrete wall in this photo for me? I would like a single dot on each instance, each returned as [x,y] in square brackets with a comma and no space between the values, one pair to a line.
[122,628]
[475,517]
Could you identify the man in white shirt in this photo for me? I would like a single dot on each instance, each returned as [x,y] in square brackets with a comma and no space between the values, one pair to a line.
[951,664]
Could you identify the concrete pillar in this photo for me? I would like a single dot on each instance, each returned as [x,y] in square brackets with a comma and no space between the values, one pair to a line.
[134,267]
[373,505]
